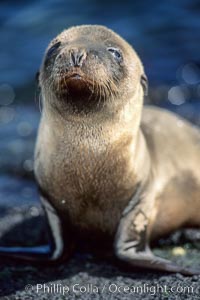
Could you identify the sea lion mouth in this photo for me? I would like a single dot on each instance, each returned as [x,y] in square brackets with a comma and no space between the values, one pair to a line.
[75,76]
[74,86]
[81,90]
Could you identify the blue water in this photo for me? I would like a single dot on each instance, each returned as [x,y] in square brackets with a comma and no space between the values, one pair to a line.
[166,35]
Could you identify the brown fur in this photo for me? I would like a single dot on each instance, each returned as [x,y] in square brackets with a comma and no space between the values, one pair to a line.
[92,153]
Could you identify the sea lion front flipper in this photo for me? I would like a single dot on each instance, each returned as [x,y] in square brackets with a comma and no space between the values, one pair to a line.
[131,246]
[56,251]
[61,244]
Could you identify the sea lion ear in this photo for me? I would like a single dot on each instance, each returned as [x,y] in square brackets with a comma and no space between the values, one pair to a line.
[144,83]
[37,78]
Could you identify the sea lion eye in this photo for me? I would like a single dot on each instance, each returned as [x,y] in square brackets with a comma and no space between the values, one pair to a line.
[52,49]
[116,53]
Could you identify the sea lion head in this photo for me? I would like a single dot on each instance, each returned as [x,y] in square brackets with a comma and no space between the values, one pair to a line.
[88,68]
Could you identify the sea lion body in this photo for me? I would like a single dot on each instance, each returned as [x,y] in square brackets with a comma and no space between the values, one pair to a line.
[85,174]
[88,170]
[92,182]
[107,168]
[174,147]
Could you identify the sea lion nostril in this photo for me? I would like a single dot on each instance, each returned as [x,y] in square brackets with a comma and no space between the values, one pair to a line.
[80,57]
[77,57]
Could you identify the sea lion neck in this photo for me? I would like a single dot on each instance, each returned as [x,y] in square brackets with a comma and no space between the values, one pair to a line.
[125,119]
[101,135]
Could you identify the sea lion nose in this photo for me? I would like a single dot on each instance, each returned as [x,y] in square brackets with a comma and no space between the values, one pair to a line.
[77,57]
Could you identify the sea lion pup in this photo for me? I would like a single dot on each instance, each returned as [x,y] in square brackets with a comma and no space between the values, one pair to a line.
[107,171]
